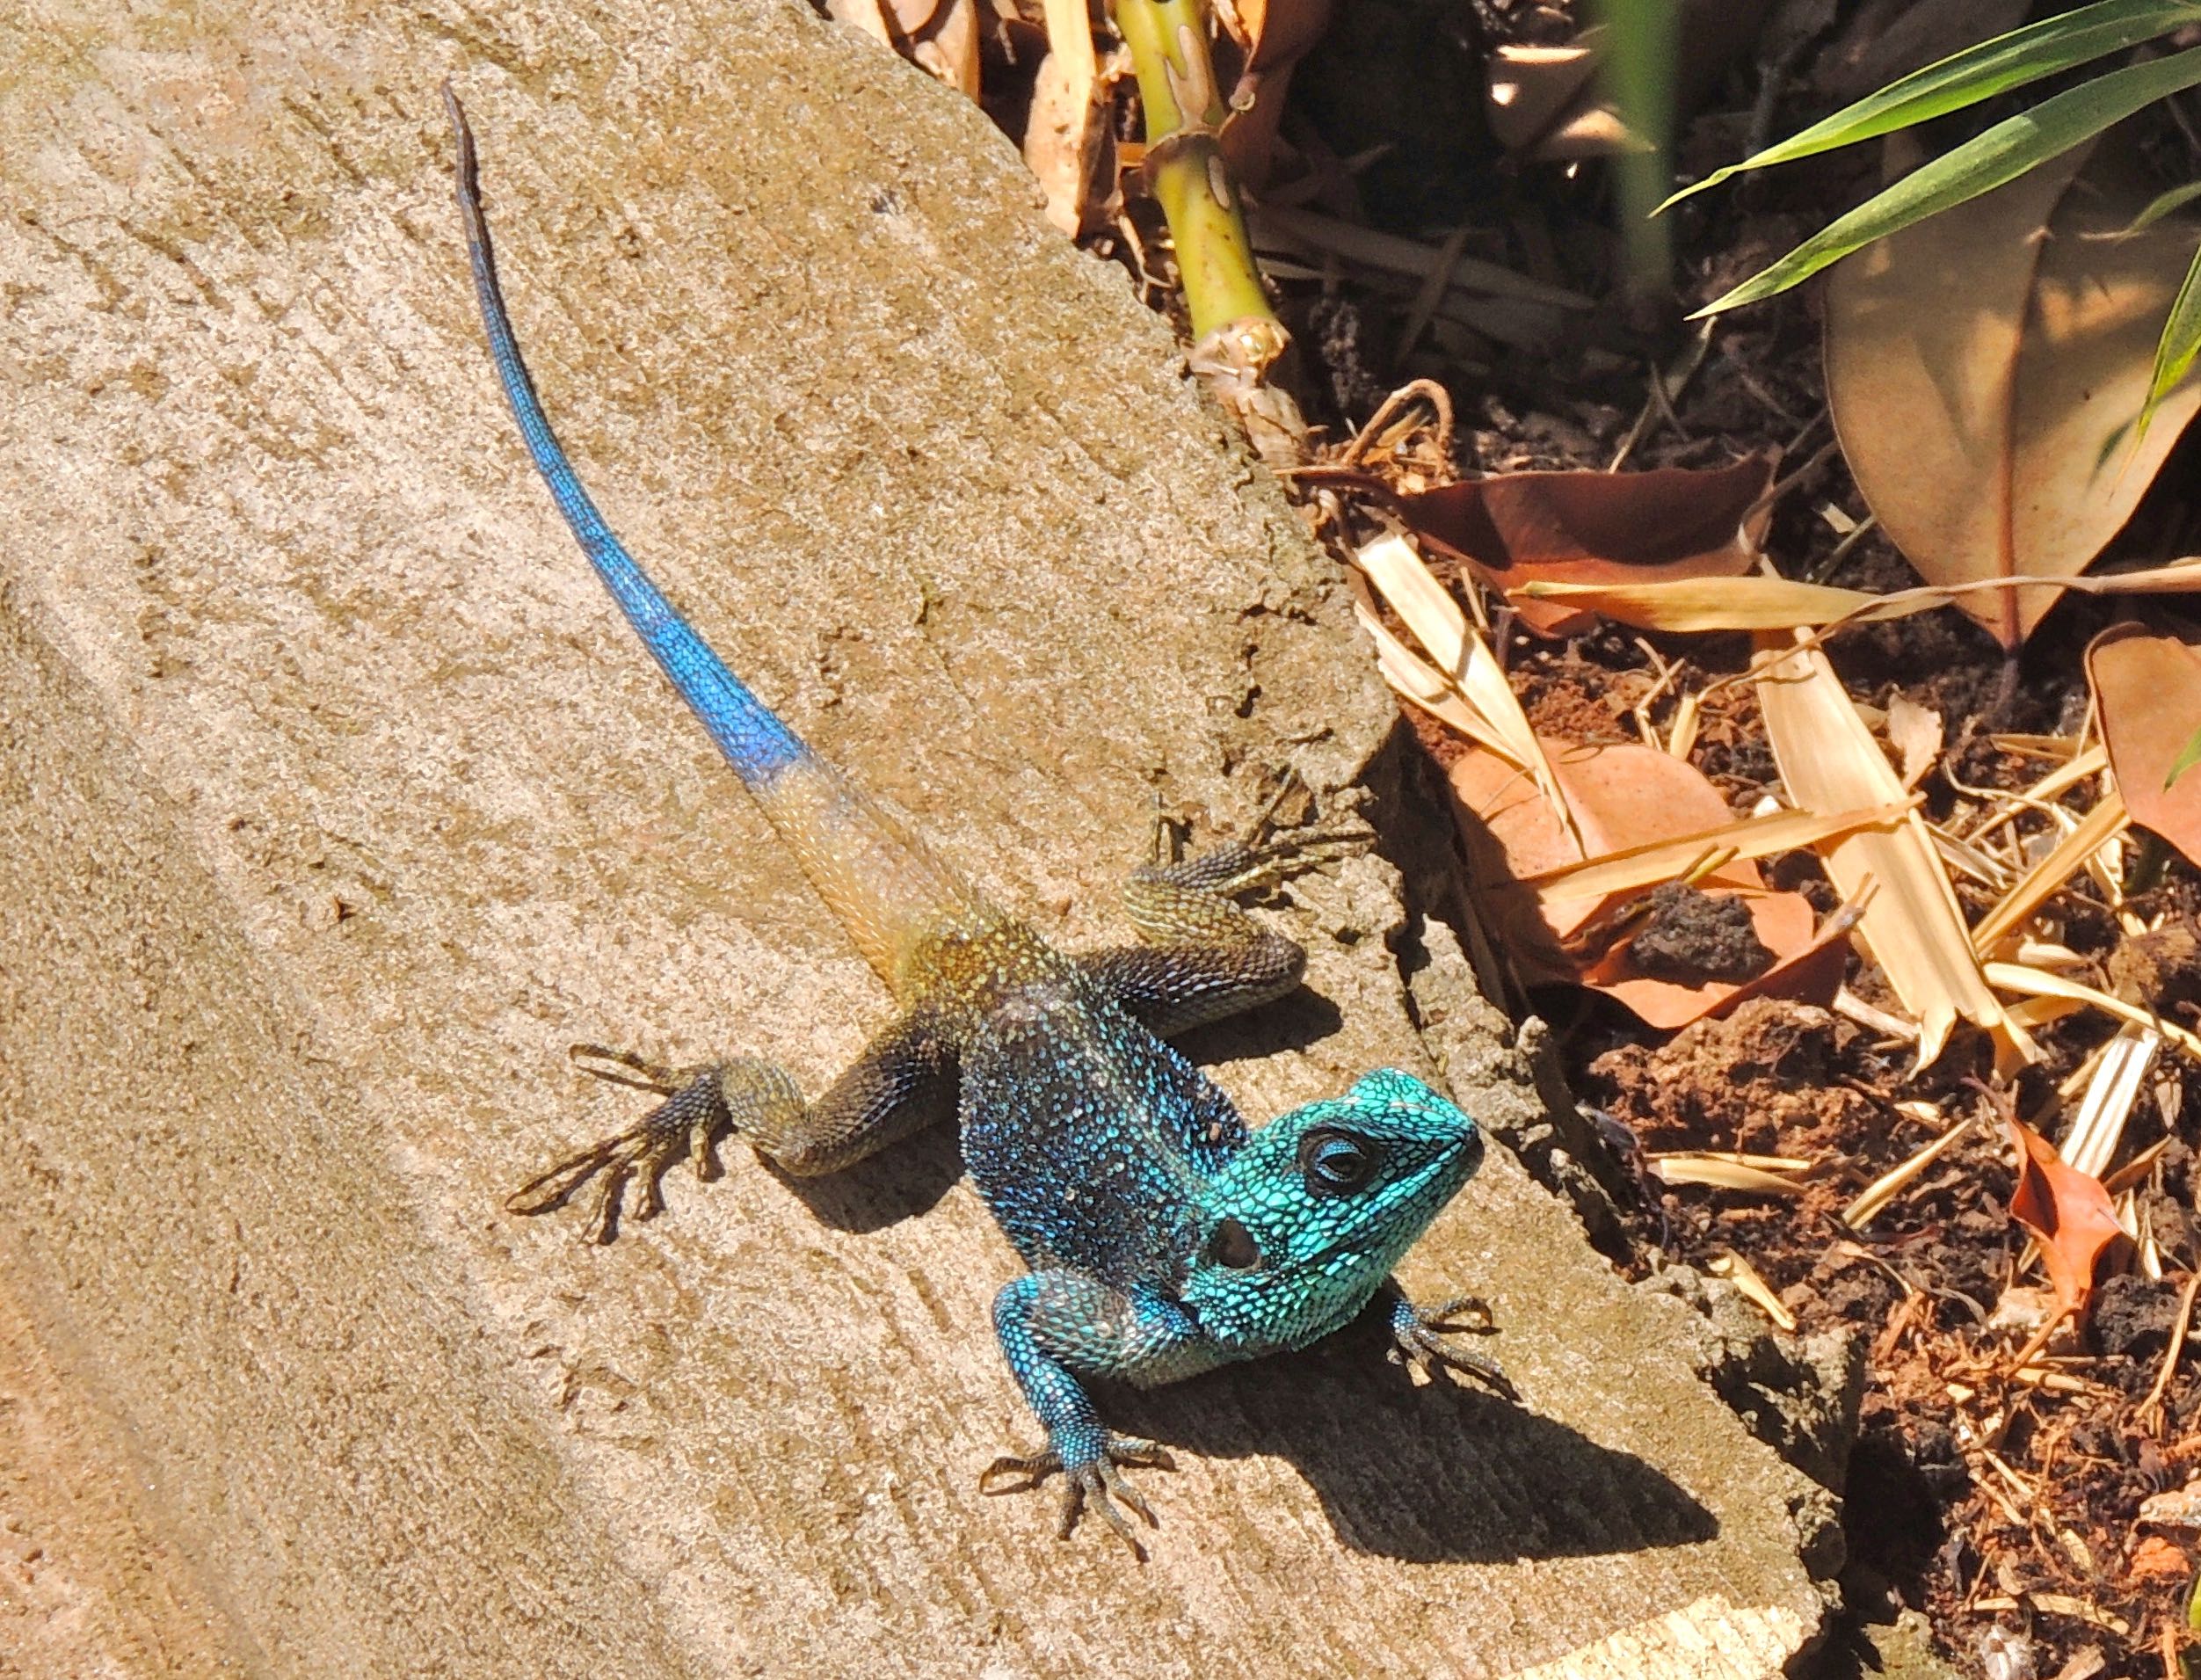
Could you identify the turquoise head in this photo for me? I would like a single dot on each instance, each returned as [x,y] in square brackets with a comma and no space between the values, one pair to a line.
[1306,1221]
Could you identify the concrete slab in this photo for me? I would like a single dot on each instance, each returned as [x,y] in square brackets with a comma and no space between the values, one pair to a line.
[335,802]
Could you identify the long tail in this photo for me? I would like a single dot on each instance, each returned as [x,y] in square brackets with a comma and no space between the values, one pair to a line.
[883,883]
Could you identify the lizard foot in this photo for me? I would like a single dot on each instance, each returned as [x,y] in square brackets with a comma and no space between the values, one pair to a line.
[1270,851]
[1420,1337]
[1099,1482]
[693,1112]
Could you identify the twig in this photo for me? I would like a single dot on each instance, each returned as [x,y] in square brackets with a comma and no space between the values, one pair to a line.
[1424,391]
[2150,1415]
[1659,398]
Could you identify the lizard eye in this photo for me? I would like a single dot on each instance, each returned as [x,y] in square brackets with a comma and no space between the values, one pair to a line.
[1232,1245]
[1335,1163]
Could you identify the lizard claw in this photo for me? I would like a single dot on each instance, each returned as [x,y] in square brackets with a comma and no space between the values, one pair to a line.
[692,1111]
[1419,1340]
[1100,1483]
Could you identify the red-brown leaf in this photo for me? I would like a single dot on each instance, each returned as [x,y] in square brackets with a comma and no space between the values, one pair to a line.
[1596,527]
[2068,1210]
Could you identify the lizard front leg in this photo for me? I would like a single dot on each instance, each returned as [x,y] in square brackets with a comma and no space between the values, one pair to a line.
[1054,1324]
[904,1081]
[1422,1338]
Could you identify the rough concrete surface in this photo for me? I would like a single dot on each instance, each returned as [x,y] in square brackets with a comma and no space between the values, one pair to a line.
[335,802]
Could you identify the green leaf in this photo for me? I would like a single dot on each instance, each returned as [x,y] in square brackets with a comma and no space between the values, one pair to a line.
[1977,73]
[2003,153]
[2162,204]
[2174,351]
[2189,755]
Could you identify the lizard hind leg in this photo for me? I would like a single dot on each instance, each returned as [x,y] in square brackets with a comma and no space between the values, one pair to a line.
[904,1081]
[1200,956]
[700,1105]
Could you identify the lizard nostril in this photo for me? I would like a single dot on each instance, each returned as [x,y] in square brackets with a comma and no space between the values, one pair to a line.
[1232,1245]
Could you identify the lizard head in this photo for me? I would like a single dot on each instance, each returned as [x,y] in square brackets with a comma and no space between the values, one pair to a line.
[1306,1222]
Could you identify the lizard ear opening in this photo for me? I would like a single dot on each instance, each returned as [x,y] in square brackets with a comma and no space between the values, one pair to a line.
[1232,1245]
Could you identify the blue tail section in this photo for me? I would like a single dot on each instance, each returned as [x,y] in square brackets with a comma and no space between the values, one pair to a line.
[755,742]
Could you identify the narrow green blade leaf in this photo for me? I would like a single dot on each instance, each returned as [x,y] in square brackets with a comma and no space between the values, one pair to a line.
[2174,350]
[2003,153]
[1977,73]
[2189,755]
[2163,203]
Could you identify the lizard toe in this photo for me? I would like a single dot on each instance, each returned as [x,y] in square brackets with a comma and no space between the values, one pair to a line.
[1098,1483]
[1423,1339]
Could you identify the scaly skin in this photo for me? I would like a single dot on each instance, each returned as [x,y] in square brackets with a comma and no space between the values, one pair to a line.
[1163,1239]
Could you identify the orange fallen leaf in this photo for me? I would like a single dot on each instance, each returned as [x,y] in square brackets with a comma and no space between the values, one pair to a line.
[1621,796]
[2067,1212]
[1596,527]
[2148,690]
[1985,367]
[1814,974]
[1783,924]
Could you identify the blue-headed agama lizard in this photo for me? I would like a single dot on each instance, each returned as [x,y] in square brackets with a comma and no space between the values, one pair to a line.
[1163,1239]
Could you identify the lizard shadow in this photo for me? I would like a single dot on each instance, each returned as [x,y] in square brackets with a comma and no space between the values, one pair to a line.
[1294,1021]
[901,1181]
[1438,1472]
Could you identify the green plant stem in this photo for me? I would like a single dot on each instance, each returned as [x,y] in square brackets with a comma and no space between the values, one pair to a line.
[1185,110]
[1641,39]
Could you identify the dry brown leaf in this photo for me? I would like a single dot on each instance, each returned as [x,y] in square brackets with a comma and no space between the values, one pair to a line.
[1273,32]
[1459,658]
[2068,1212]
[1595,528]
[947,48]
[940,37]
[1829,761]
[1263,39]
[913,17]
[1985,367]
[869,16]
[1762,603]
[1914,732]
[1542,100]
[2148,692]
[1546,102]
[1810,974]
[1892,38]
[1701,1168]
[2040,983]
[1666,860]
[1783,922]
[1620,798]
[1066,134]
[1751,1285]
[2033,888]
